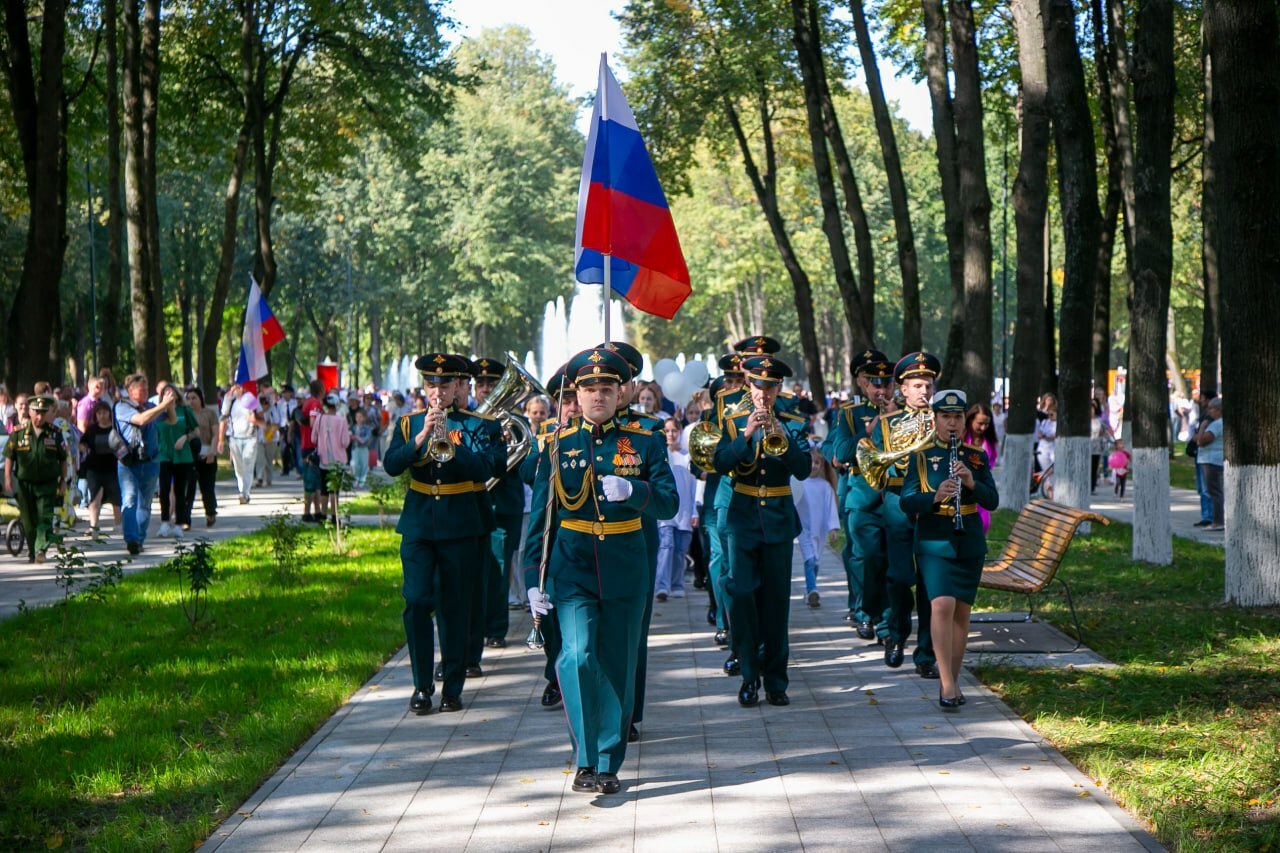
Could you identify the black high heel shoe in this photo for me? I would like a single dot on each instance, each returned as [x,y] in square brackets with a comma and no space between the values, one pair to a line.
[949,704]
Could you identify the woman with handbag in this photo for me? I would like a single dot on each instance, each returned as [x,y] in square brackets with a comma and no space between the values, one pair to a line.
[177,464]
[204,447]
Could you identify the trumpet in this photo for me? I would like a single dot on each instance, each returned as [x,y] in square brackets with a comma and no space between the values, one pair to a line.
[774,440]
[441,448]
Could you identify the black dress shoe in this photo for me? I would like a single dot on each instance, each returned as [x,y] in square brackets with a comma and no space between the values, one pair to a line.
[749,694]
[661,597]
[420,703]
[927,670]
[732,667]
[711,616]
[439,672]
[607,783]
[960,696]
[496,642]
[451,703]
[474,672]
[893,655]
[866,630]
[551,696]
[776,697]
[584,781]
[722,638]
[633,734]
[949,704]
[851,616]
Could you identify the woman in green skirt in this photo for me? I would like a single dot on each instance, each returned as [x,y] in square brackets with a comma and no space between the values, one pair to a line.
[949,552]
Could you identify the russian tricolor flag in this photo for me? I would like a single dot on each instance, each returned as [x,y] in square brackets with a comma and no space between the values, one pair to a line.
[623,213]
[262,331]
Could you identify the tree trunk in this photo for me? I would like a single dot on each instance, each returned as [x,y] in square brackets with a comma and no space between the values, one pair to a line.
[115,225]
[809,54]
[1111,211]
[765,186]
[907,261]
[1048,345]
[37,98]
[375,345]
[149,86]
[1030,198]
[135,192]
[944,137]
[975,202]
[1244,41]
[1172,363]
[1118,72]
[1147,396]
[1210,329]
[266,140]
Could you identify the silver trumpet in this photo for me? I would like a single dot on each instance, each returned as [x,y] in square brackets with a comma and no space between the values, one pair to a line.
[441,448]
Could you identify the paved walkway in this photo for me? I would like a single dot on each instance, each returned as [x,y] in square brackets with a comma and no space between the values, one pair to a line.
[1184,512]
[863,759]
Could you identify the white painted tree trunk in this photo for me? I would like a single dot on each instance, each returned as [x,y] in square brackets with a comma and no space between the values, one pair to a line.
[1015,471]
[1071,474]
[1252,503]
[1152,527]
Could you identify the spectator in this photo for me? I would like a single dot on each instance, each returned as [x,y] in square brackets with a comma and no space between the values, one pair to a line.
[102,482]
[1046,431]
[84,408]
[332,437]
[361,440]
[284,410]
[205,452]
[18,417]
[177,464]
[268,438]
[999,418]
[1100,437]
[676,533]
[1208,439]
[137,466]
[1119,464]
[979,431]
[242,414]
[305,417]
[6,405]
[649,399]
[819,518]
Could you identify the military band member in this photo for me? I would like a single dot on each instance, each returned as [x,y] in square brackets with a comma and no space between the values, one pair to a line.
[936,489]
[864,530]
[604,477]
[761,449]
[450,454]
[35,473]
[915,374]
[727,385]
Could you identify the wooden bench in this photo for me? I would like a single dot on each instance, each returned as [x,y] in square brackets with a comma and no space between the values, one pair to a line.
[1034,551]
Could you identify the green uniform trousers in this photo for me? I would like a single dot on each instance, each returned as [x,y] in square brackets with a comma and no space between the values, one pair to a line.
[596,668]
[760,608]
[868,538]
[36,505]
[903,575]
[717,563]
[649,526]
[503,542]
[438,579]
[851,559]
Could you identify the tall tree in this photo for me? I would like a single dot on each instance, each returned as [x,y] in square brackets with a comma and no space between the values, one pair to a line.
[39,100]
[1211,318]
[975,202]
[1146,394]
[1030,201]
[908,263]
[1111,205]
[1244,39]
[109,309]
[1118,72]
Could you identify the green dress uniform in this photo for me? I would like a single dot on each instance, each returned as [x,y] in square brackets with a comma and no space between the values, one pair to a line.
[38,457]
[951,565]
[761,524]
[599,563]
[549,624]
[443,526]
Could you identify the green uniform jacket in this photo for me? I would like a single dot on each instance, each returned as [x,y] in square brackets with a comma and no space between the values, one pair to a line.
[766,516]
[454,512]
[640,420]
[614,565]
[841,446]
[934,526]
[507,495]
[37,458]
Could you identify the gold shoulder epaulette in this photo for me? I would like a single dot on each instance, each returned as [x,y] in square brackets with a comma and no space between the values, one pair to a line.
[741,414]
[481,416]
[636,429]
[786,394]
[848,404]
[968,446]
[792,417]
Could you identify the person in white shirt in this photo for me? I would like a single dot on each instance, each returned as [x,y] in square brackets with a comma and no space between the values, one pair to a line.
[815,499]
[675,534]
[243,414]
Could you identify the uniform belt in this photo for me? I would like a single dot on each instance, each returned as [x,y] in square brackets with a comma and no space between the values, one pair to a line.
[949,509]
[438,489]
[894,481]
[600,528]
[762,491]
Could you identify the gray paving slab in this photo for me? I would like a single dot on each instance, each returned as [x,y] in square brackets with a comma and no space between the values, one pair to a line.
[862,759]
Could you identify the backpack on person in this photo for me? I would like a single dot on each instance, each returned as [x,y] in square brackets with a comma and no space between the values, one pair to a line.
[126,451]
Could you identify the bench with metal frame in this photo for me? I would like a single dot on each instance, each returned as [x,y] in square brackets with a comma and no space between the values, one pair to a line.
[1033,554]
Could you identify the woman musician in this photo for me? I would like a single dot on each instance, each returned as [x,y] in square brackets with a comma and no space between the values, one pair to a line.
[943,481]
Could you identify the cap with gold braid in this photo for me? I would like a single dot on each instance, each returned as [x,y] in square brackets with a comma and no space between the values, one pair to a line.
[950,401]
[442,367]
[559,382]
[632,356]
[757,345]
[731,363]
[487,368]
[40,403]
[598,365]
[765,371]
[915,364]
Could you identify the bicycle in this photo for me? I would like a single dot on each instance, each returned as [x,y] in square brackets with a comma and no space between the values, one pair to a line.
[15,538]
[1042,483]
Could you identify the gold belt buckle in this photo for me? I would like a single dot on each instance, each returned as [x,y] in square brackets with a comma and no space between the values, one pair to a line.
[597,528]
[762,491]
[433,489]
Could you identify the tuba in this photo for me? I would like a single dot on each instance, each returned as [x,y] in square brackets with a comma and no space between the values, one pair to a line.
[705,435]
[513,389]
[909,434]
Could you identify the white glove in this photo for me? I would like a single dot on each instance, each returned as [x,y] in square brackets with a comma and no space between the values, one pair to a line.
[615,488]
[539,602]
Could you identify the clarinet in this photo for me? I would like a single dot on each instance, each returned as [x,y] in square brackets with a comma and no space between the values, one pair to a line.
[957,523]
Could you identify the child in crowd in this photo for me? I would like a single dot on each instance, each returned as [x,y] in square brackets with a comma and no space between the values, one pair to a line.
[1118,462]
[361,438]
[816,505]
[676,533]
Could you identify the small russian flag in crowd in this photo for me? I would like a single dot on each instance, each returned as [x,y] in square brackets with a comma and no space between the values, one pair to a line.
[262,331]
[623,213]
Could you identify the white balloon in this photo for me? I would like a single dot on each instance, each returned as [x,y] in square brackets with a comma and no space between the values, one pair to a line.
[663,368]
[696,374]
[676,389]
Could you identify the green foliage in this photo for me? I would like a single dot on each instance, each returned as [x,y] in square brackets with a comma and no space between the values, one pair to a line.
[284,535]
[387,491]
[194,565]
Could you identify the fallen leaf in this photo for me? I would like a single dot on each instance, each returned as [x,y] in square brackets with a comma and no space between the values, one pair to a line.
[526,779]
[929,726]
[833,762]
[872,702]
[542,823]
[869,692]
[1026,767]
[1083,794]
[944,772]
[53,842]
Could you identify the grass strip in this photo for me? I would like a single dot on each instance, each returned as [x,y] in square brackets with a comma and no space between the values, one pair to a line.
[1185,731]
[168,727]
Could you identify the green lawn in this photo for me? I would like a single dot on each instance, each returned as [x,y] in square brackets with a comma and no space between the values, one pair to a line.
[1182,472]
[1186,731]
[168,728]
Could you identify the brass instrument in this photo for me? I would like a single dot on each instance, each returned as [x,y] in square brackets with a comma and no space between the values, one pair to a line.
[773,440]
[705,435]
[514,388]
[910,433]
[957,522]
[441,448]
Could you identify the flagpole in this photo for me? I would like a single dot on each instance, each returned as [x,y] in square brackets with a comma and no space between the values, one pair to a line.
[608,283]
